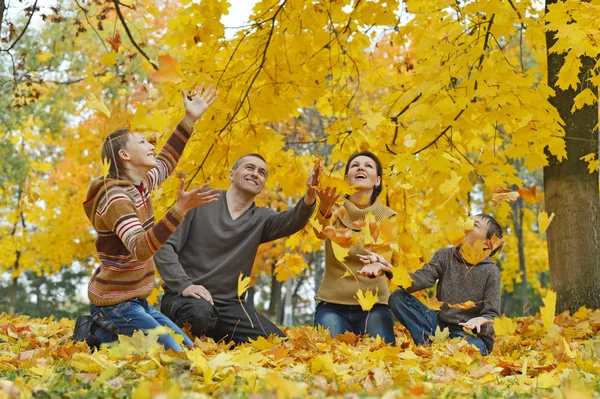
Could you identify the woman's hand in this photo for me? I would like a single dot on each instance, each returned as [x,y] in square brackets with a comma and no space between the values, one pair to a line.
[196,104]
[188,200]
[374,263]
[327,198]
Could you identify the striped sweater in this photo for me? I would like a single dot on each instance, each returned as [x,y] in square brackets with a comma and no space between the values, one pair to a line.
[123,216]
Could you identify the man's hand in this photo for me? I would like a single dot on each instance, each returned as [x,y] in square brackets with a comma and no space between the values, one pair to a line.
[198,292]
[476,323]
[311,183]
[327,198]
[197,103]
[373,270]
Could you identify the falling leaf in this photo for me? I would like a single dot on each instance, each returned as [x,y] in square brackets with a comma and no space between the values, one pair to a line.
[367,299]
[43,57]
[544,221]
[547,311]
[97,105]
[343,237]
[374,119]
[168,70]
[105,167]
[528,196]
[500,194]
[342,186]
[109,59]
[243,284]
[464,306]
[400,277]
[434,304]
[475,253]
[115,41]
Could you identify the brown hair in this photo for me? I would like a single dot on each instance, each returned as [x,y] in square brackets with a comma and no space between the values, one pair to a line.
[494,229]
[113,143]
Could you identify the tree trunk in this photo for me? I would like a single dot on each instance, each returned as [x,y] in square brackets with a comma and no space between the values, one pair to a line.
[13,296]
[517,219]
[571,192]
[275,296]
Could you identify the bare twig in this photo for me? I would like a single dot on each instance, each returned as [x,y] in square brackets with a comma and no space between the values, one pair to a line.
[124,23]
[25,28]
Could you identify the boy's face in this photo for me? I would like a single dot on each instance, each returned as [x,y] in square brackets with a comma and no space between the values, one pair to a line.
[479,232]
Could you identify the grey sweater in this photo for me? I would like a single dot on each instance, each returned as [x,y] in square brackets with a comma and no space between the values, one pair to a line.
[209,248]
[459,282]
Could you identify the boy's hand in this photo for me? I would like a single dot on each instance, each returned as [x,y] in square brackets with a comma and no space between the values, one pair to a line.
[476,323]
[373,270]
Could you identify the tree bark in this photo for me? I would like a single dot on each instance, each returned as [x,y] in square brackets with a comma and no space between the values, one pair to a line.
[517,219]
[571,192]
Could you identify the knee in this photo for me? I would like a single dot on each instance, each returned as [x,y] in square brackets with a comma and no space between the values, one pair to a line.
[398,297]
[201,315]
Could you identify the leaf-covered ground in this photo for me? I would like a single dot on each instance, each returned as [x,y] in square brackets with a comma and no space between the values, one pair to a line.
[38,358]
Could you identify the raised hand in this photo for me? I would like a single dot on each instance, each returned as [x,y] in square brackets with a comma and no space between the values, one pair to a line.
[373,270]
[188,200]
[476,323]
[197,291]
[328,197]
[197,103]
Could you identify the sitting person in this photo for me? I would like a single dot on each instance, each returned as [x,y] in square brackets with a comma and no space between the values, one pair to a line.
[458,282]
[337,309]
[121,212]
[201,262]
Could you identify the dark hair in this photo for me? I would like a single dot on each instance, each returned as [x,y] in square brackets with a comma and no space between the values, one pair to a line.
[377,189]
[494,229]
[113,143]
[237,163]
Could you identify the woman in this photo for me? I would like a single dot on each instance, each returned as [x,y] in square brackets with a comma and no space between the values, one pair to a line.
[121,212]
[338,310]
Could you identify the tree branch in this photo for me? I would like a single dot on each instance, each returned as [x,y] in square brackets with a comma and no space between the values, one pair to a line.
[124,23]
[441,134]
[25,28]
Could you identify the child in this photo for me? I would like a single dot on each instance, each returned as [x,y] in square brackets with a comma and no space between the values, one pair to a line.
[458,282]
[121,212]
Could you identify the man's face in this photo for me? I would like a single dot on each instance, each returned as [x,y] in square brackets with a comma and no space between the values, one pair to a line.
[250,175]
[479,232]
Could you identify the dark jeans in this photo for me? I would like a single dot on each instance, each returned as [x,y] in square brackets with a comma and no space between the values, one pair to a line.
[421,321]
[128,316]
[220,321]
[341,318]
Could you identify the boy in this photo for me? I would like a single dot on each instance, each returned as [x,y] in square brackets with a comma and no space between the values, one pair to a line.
[459,282]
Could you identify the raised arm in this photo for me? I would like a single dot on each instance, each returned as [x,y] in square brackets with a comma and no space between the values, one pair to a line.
[118,212]
[171,152]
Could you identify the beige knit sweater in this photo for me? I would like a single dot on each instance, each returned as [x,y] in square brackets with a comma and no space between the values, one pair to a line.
[334,288]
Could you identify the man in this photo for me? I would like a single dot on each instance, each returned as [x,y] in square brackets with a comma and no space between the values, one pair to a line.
[201,262]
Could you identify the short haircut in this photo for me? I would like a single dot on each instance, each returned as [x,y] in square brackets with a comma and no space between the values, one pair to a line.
[494,229]
[238,162]
[377,189]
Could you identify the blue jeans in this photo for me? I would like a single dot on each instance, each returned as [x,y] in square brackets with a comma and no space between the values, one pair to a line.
[129,316]
[422,322]
[341,318]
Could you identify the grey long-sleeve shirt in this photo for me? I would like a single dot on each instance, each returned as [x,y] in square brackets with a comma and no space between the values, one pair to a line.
[209,248]
[459,282]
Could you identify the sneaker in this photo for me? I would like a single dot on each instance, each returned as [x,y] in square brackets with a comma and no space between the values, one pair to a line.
[84,331]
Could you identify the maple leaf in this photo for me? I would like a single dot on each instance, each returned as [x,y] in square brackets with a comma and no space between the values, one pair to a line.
[400,277]
[97,105]
[109,59]
[528,196]
[547,311]
[105,167]
[500,194]
[243,284]
[342,186]
[168,70]
[464,306]
[343,237]
[544,221]
[440,335]
[115,41]
[290,266]
[434,304]
[475,253]
[367,299]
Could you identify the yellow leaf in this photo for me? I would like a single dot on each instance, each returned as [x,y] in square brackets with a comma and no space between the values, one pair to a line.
[547,311]
[400,277]
[544,221]
[450,186]
[289,266]
[500,194]
[339,252]
[586,97]
[97,105]
[243,284]
[106,374]
[528,196]
[342,186]
[504,326]
[464,306]
[105,167]
[474,253]
[109,59]
[374,119]
[441,335]
[43,57]
[568,76]
[367,299]
[168,70]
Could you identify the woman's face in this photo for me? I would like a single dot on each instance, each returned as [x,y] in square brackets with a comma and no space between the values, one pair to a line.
[362,173]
